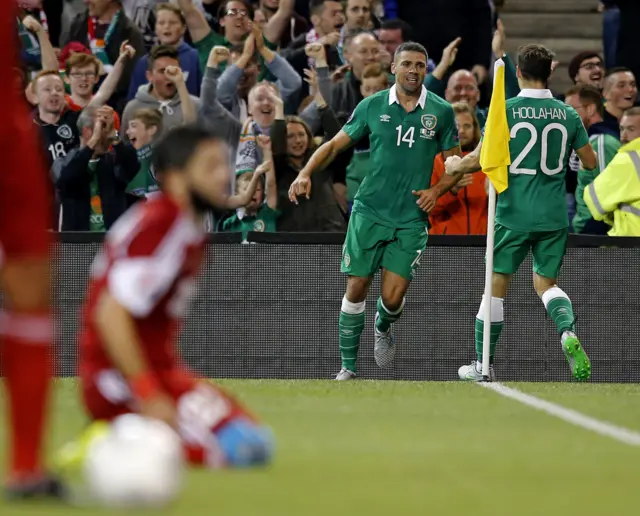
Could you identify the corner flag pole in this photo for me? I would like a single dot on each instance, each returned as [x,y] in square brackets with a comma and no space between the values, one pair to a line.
[494,159]
[488,283]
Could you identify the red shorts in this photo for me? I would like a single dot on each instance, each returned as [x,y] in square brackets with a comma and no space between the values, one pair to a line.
[25,192]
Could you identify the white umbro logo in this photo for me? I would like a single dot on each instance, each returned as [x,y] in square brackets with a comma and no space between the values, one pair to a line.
[385,118]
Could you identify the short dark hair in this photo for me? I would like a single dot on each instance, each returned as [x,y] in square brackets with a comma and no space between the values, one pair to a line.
[401,25]
[588,95]
[317,6]
[411,46]
[161,51]
[534,62]
[177,146]
[576,62]
[222,10]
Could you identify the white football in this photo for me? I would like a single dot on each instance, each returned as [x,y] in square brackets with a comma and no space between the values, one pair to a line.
[138,463]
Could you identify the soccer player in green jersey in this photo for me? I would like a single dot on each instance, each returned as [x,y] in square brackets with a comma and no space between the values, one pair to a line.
[531,214]
[407,127]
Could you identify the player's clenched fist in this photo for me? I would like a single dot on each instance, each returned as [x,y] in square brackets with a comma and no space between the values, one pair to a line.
[301,186]
[426,199]
[451,165]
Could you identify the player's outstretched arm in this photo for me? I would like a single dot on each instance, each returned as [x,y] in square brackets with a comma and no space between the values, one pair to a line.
[428,198]
[320,160]
[118,334]
[587,156]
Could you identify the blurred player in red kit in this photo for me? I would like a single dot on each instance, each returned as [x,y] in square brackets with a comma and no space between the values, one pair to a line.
[139,288]
[25,322]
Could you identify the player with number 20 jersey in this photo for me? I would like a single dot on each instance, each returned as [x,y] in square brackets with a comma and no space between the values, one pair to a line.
[531,214]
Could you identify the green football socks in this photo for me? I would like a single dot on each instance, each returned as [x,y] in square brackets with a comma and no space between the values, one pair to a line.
[497,321]
[496,329]
[351,324]
[559,308]
[385,317]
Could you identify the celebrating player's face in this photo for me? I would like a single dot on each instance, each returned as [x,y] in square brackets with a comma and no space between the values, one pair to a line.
[410,69]
[297,140]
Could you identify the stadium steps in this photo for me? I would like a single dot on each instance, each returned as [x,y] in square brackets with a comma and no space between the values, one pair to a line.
[565,26]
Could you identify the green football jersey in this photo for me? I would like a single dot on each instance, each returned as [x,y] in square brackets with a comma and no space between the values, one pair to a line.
[403,147]
[543,133]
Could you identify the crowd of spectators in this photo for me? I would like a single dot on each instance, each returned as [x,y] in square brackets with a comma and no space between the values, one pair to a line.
[273,78]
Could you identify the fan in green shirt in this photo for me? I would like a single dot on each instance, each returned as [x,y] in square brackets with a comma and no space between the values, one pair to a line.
[143,127]
[260,214]
[235,19]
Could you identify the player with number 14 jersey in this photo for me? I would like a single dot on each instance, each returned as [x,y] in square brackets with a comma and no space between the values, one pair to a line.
[407,128]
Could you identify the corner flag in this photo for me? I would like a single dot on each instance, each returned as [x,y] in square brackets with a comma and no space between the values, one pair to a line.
[494,155]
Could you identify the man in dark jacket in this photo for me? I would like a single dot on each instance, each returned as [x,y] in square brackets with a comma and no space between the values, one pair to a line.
[91,181]
[103,28]
[441,21]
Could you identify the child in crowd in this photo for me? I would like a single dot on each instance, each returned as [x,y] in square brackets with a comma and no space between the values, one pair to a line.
[143,128]
[260,214]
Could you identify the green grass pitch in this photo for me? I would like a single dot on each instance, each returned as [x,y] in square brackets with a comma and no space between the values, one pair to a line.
[408,448]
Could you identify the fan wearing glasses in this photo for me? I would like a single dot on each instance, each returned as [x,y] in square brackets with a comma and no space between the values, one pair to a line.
[235,18]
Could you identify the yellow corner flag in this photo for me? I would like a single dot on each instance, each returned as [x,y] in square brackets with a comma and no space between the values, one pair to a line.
[494,155]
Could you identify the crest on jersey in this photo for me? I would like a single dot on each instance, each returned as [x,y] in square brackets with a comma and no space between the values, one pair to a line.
[64,131]
[258,225]
[429,121]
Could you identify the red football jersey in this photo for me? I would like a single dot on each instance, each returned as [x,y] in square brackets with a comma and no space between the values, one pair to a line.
[148,263]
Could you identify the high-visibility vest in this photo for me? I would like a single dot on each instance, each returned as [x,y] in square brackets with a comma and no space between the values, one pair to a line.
[614,196]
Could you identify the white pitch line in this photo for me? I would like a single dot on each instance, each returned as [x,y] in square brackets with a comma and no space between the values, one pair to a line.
[621,434]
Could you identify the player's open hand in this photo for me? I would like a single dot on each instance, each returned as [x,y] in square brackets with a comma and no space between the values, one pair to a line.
[426,199]
[301,186]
